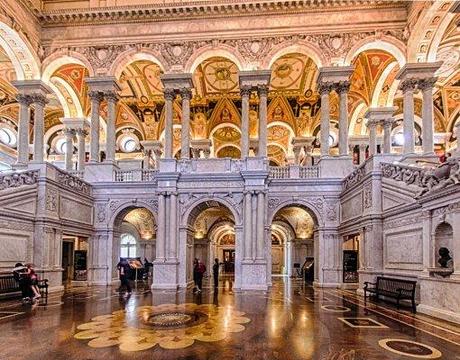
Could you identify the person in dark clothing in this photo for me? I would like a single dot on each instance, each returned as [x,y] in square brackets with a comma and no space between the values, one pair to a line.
[25,284]
[215,272]
[195,274]
[123,272]
[200,270]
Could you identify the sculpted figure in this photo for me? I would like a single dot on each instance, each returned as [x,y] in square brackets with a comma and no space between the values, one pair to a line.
[445,260]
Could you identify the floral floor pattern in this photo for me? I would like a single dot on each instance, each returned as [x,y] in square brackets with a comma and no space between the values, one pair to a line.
[170,326]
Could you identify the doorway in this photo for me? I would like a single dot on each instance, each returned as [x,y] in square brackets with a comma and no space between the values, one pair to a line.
[229,261]
[67,261]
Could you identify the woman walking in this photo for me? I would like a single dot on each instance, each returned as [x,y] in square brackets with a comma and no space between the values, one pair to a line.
[215,272]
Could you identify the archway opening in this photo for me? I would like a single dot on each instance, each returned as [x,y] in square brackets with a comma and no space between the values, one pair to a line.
[293,244]
[134,239]
[211,235]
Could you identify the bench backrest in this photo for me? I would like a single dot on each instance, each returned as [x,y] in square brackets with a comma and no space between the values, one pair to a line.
[393,284]
[8,283]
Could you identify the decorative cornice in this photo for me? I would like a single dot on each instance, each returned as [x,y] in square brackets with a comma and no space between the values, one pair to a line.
[202,9]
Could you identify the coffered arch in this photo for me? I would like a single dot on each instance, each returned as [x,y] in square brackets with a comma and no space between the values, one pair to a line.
[128,57]
[388,44]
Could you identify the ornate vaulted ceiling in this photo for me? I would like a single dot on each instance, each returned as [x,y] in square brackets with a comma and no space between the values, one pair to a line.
[298,219]
[144,222]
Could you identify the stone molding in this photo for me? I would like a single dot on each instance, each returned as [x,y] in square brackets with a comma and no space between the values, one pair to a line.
[17,179]
[73,183]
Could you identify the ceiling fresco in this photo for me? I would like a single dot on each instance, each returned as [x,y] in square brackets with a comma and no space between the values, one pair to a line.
[144,222]
[298,219]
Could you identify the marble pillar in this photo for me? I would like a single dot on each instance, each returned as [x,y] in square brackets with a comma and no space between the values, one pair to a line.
[324,89]
[172,253]
[387,126]
[161,231]
[260,225]
[362,153]
[247,225]
[23,129]
[69,134]
[408,86]
[96,98]
[245,92]
[39,101]
[169,95]
[372,125]
[81,135]
[112,99]
[263,93]
[186,95]
[342,89]
[426,85]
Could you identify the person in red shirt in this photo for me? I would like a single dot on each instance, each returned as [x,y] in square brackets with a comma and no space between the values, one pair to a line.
[200,270]
[34,280]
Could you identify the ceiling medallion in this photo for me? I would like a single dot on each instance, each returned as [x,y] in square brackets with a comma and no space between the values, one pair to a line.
[222,73]
[283,70]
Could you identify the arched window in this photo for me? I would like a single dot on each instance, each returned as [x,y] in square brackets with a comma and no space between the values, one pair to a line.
[128,246]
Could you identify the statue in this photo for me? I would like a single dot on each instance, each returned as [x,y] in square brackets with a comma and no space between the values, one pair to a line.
[445,259]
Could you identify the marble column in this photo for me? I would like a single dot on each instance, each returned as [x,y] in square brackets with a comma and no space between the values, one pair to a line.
[362,153]
[408,86]
[39,101]
[296,150]
[342,89]
[372,125]
[260,224]
[69,134]
[169,95]
[96,98]
[324,89]
[426,85]
[23,129]
[245,92]
[112,99]
[172,255]
[161,232]
[81,135]
[263,93]
[186,95]
[247,224]
[387,125]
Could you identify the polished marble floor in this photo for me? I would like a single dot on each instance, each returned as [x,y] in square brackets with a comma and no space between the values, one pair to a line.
[291,321]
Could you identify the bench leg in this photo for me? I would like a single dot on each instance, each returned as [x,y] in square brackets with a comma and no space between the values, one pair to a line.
[414,307]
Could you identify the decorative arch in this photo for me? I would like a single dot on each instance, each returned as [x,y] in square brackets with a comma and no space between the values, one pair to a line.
[391,45]
[210,51]
[25,61]
[195,208]
[132,55]
[275,205]
[303,47]
[124,208]
[54,61]
[290,232]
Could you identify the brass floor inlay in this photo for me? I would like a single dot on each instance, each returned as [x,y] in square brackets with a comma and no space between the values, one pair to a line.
[170,326]
[361,322]
[410,348]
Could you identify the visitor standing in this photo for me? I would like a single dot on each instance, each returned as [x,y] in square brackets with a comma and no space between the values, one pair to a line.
[123,272]
[201,269]
[195,274]
[215,272]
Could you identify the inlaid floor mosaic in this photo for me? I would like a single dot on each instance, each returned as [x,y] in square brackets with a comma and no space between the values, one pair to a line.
[290,321]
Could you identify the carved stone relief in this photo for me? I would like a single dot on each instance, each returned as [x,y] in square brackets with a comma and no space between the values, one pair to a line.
[367,196]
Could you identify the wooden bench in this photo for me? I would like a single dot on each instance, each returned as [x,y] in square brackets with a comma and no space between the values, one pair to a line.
[392,288]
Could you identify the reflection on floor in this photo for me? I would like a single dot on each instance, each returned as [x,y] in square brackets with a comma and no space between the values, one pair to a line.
[291,321]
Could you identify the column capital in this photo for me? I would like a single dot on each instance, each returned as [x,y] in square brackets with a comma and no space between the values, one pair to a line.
[342,86]
[408,85]
[82,132]
[325,87]
[387,123]
[372,123]
[111,96]
[95,95]
[24,99]
[245,90]
[427,83]
[68,132]
[262,90]
[39,99]
[169,94]
[185,93]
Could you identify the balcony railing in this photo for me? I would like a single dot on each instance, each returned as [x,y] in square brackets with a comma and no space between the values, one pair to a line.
[293,172]
[135,175]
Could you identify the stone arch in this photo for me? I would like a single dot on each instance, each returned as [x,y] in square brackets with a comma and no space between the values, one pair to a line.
[302,47]
[124,208]
[443,237]
[389,44]
[25,61]
[210,51]
[195,208]
[132,55]
[288,227]
[275,205]
[58,59]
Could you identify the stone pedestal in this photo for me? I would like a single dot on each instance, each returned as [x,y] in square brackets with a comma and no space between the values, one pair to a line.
[335,167]
[254,275]
[100,172]
[165,275]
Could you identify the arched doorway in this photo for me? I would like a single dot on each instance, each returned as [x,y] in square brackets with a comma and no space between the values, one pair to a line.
[294,238]
[210,232]
[134,236]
